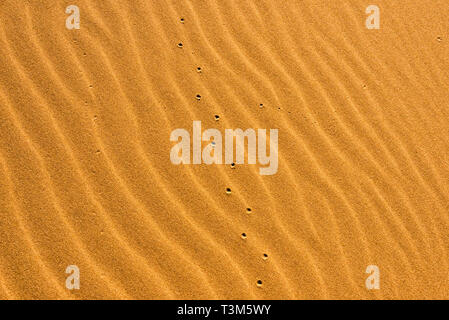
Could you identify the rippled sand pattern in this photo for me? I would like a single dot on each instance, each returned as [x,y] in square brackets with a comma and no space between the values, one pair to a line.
[86,178]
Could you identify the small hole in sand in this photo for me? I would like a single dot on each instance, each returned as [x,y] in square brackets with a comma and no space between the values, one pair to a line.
[91,86]
[182,20]
[265,256]
[233,165]
[243,235]
[217,117]
[198,97]
[249,210]
[261,105]
[439,39]
[228,190]
[180,45]
[198,69]
[259,283]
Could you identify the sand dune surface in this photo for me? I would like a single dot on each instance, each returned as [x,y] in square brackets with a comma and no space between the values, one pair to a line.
[363,132]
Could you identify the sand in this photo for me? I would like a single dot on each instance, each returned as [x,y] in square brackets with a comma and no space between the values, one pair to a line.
[86,178]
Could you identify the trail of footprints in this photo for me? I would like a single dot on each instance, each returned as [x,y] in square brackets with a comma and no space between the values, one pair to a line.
[228,190]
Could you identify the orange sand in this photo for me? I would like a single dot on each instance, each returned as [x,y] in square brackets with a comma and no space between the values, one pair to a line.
[86,179]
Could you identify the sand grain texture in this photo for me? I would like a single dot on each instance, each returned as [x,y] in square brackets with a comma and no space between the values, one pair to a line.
[86,179]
